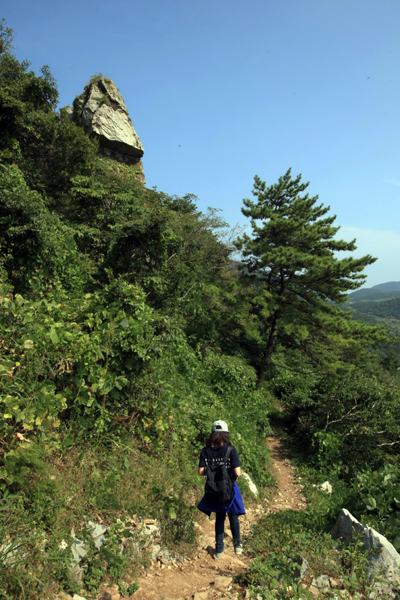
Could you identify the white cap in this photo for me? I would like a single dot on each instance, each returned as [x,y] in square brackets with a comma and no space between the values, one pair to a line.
[219,426]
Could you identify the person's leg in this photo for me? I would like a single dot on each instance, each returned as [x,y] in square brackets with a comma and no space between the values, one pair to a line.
[235,529]
[219,532]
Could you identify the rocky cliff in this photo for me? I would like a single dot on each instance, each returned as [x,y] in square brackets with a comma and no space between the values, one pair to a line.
[102,112]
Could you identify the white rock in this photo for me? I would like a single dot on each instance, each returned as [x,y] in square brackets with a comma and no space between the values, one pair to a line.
[104,113]
[250,483]
[321,582]
[98,532]
[155,550]
[79,550]
[384,559]
[326,487]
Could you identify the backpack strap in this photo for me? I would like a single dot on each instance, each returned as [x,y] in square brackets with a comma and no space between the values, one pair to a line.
[227,455]
[209,456]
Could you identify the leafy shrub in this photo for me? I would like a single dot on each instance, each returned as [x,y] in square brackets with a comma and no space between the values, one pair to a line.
[351,414]
[375,501]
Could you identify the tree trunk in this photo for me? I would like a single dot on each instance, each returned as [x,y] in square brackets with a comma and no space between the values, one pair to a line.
[268,350]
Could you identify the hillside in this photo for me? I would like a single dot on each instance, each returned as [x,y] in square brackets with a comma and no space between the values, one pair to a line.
[379,305]
[390,286]
[373,294]
[383,309]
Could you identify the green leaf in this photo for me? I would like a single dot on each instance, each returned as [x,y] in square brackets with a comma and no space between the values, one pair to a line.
[19,299]
[124,324]
[126,533]
[28,344]
[53,336]
[67,441]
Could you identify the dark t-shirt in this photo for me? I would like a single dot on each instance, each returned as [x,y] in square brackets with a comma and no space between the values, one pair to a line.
[218,455]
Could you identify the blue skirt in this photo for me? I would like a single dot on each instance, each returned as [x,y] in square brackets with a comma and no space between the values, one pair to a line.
[235,506]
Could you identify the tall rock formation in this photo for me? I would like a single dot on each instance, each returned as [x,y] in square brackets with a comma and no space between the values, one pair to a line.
[102,112]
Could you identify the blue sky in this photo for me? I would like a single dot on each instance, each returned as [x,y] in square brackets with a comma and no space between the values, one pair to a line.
[219,91]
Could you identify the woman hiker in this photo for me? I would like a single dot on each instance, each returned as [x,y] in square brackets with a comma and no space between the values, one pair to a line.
[217,446]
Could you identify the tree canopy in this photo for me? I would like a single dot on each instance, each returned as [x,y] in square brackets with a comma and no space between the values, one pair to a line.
[296,276]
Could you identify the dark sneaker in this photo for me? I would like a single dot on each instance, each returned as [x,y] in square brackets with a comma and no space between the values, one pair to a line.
[238,549]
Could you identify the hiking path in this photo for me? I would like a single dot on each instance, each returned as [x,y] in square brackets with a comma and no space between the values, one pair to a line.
[204,578]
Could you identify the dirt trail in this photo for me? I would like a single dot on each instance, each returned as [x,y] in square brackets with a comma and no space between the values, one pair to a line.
[204,578]
[289,494]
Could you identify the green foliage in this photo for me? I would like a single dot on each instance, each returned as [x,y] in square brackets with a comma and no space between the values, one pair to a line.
[391,362]
[45,145]
[110,561]
[66,491]
[345,421]
[384,308]
[26,458]
[128,590]
[6,37]
[387,313]
[375,501]
[26,570]
[74,356]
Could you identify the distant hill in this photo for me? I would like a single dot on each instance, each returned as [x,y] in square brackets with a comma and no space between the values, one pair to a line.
[379,305]
[382,291]
[390,286]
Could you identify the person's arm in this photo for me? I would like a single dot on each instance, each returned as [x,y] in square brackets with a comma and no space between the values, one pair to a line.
[202,463]
[236,467]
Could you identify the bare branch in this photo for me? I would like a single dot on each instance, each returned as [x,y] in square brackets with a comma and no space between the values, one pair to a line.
[388,444]
[184,296]
[348,415]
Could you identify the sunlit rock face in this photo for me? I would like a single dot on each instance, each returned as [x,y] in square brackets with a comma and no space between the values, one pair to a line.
[102,112]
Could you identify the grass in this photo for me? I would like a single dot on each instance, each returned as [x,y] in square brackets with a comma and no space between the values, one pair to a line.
[113,485]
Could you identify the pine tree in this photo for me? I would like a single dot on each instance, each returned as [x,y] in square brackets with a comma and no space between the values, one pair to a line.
[296,279]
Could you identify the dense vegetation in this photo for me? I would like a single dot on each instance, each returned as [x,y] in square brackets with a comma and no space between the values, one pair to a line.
[387,309]
[126,328]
